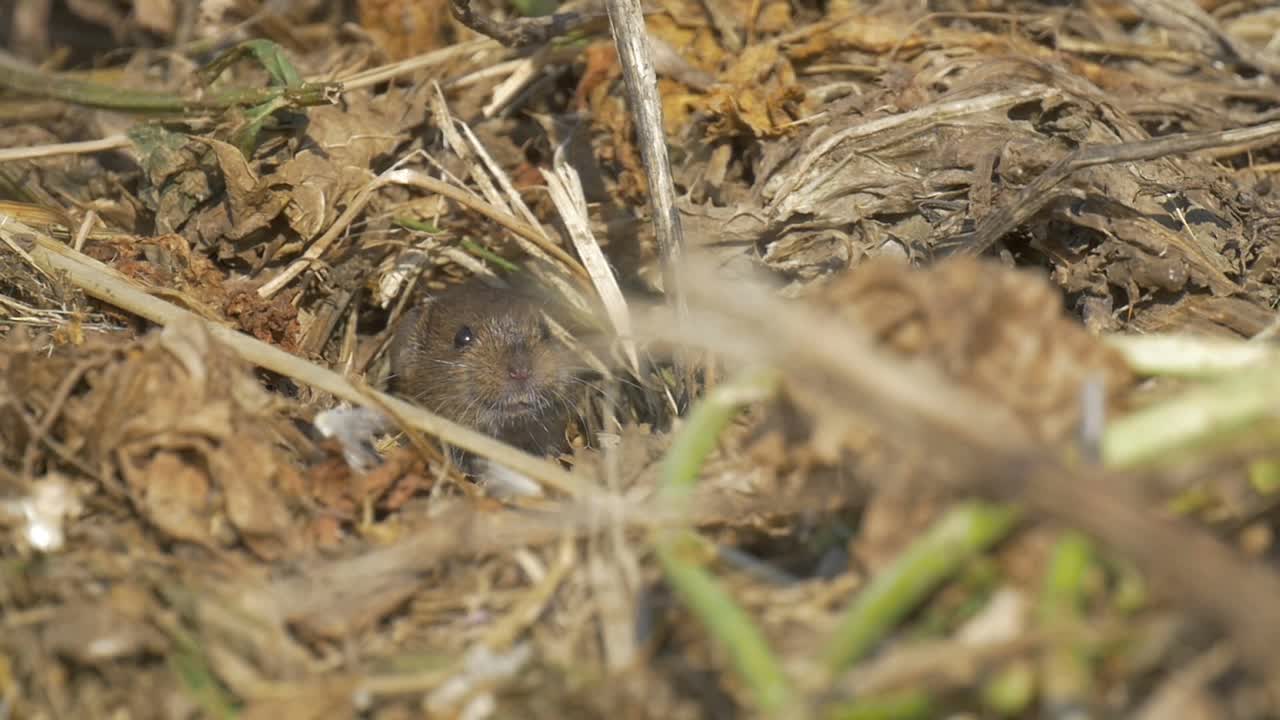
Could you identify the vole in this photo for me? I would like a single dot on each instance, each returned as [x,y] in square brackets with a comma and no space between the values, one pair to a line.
[484,357]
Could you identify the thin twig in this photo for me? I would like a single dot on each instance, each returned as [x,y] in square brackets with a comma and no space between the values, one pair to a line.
[627,21]
[565,188]
[111,142]
[524,230]
[383,73]
[523,32]
[51,414]
[416,179]
[323,242]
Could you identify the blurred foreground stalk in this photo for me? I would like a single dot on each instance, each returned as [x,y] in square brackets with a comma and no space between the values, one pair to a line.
[714,606]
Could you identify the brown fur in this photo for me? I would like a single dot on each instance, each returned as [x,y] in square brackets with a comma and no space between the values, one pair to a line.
[472,385]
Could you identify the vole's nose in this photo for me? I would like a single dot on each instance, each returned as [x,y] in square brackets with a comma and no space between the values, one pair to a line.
[519,364]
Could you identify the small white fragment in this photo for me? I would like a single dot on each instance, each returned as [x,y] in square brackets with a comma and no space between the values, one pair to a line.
[407,265]
[52,500]
[480,707]
[480,668]
[355,429]
[1093,416]
[1002,620]
[502,481]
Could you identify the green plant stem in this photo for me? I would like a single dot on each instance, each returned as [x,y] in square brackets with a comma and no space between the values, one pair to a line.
[726,622]
[960,535]
[904,705]
[189,663]
[485,253]
[1065,670]
[1011,690]
[698,437]
[1216,411]
[1189,356]
[82,92]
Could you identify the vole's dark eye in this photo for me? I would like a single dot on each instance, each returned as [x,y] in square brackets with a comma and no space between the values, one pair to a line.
[544,330]
[463,338]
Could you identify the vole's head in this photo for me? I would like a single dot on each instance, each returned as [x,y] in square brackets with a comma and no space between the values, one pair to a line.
[483,357]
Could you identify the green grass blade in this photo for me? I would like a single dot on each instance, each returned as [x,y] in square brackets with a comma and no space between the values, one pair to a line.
[960,535]
[714,607]
[729,624]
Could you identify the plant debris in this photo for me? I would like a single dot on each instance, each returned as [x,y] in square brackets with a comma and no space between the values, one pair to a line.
[864,426]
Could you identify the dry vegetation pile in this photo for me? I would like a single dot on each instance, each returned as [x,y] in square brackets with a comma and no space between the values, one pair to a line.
[971,361]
